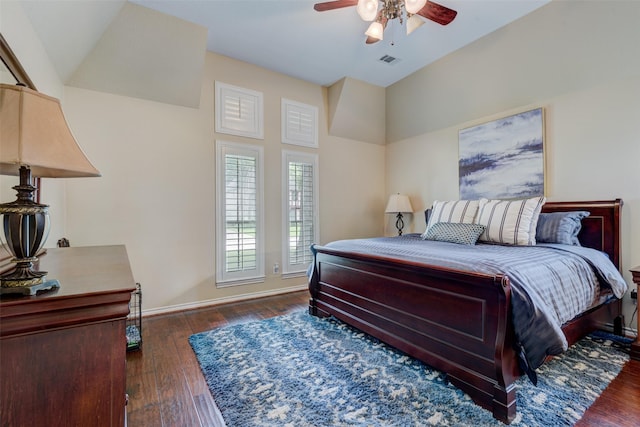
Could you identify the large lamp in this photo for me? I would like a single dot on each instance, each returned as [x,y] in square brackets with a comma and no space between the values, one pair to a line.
[34,139]
[399,204]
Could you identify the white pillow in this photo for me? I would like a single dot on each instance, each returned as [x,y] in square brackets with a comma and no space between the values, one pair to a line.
[460,211]
[510,222]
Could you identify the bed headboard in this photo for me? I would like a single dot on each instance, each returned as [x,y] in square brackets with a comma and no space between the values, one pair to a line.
[600,230]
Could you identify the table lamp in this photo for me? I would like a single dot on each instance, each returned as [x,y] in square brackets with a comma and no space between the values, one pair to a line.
[399,204]
[34,139]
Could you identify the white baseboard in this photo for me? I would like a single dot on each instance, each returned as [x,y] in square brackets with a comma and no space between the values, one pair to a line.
[626,330]
[629,332]
[224,300]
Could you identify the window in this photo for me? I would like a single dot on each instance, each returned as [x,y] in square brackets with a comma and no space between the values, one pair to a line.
[300,178]
[299,124]
[239,222]
[239,111]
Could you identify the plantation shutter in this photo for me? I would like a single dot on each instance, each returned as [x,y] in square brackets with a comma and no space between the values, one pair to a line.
[239,111]
[299,124]
[240,254]
[301,211]
[240,213]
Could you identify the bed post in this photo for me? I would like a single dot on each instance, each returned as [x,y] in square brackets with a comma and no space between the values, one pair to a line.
[313,284]
[505,359]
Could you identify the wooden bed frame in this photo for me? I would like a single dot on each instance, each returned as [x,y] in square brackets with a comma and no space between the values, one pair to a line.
[456,321]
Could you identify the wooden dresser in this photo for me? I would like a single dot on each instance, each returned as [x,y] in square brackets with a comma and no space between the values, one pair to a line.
[63,352]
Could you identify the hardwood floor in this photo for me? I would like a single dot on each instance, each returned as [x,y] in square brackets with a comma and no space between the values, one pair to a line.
[167,389]
[164,382]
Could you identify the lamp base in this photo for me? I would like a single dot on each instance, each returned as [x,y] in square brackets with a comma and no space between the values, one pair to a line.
[25,225]
[30,289]
[399,223]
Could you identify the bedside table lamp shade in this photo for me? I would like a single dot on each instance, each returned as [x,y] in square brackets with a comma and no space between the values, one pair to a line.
[399,204]
[34,138]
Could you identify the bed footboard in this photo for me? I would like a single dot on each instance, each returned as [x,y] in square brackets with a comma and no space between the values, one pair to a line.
[455,321]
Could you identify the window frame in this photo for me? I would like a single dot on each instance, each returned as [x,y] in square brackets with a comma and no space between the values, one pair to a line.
[256,275]
[304,112]
[229,123]
[288,269]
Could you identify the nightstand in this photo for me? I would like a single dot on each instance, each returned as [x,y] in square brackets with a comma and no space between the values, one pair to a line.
[635,346]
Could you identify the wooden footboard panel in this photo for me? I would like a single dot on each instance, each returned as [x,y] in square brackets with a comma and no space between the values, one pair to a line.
[455,321]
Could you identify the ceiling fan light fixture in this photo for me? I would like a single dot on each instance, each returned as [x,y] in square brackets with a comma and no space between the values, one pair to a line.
[367,9]
[414,6]
[413,23]
[380,12]
[375,30]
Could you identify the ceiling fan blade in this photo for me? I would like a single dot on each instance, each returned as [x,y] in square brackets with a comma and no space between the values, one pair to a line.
[437,13]
[336,4]
[383,21]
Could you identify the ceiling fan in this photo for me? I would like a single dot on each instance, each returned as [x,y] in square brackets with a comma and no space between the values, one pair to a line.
[382,11]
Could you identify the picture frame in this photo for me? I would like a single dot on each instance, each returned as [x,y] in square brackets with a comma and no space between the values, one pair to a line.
[503,158]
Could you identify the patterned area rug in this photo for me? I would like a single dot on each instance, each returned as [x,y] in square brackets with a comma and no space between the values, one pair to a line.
[298,370]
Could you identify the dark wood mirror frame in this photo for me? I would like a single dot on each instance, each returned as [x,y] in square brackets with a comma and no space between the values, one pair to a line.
[13,65]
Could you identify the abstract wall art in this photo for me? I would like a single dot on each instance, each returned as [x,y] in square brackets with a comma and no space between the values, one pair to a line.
[503,158]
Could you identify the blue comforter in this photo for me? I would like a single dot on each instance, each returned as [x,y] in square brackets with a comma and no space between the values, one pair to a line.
[550,283]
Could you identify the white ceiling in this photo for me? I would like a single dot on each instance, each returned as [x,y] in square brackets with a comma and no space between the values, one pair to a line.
[287,36]
[290,37]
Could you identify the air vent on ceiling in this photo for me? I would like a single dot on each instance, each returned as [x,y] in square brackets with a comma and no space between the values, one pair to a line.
[388,59]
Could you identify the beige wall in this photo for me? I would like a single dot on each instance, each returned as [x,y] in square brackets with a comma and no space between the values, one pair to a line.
[23,40]
[562,47]
[157,192]
[357,110]
[581,62]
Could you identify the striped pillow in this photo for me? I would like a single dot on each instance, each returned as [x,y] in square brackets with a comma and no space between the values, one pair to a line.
[560,227]
[460,211]
[510,222]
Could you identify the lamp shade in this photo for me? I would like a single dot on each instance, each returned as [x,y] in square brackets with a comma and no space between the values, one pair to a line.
[399,203]
[375,30]
[414,23]
[34,133]
[414,6]
[367,9]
